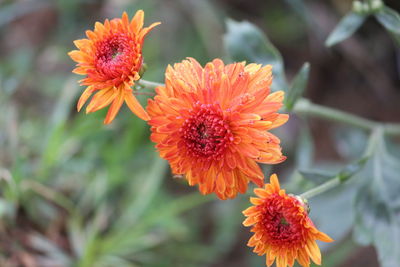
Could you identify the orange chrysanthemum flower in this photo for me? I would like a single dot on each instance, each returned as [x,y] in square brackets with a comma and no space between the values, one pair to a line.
[212,124]
[111,58]
[282,229]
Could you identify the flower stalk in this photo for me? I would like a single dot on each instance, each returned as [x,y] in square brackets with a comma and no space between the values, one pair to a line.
[149,84]
[322,188]
[306,107]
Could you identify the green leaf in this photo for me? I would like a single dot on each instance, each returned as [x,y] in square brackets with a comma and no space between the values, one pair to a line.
[331,213]
[299,7]
[305,148]
[149,188]
[246,42]
[298,86]
[350,142]
[316,176]
[389,19]
[320,176]
[377,205]
[346,27]
[351,169]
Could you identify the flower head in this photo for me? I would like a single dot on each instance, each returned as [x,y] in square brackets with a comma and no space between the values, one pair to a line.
[282,229]
[111,58]
[212,124]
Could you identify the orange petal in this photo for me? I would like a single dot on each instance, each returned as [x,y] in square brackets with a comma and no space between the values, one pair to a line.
[282,118]
[261,192]
[275,182]
[324,237]
[82,43]
[78,56]
[84,97]
[99,28]
[146,30]
[101,99]
[314,251]
[135,106]
[137,21]
[249,221]
[114,108]
[125,19]
[276,96]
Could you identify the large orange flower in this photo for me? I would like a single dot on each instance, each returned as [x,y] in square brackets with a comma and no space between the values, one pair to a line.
[212,124]
[282,229]
[111,58]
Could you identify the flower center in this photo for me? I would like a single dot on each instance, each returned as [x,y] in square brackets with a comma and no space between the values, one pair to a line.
[281,225]
[205,133]
[114,55]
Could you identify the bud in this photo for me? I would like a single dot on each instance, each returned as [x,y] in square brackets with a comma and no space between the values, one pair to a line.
[302,201]
[376,6]
[143,69]
[358,7]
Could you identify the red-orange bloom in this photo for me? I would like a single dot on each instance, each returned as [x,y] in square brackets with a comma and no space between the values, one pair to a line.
[212,124]
[111,59]
[282,229]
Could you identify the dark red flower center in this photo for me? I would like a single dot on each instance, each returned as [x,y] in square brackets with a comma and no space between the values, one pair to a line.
[115,55]
[280,220]
[206,134]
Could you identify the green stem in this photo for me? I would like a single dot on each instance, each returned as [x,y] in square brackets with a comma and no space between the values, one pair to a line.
[321,188]
[306,107]
[149,84]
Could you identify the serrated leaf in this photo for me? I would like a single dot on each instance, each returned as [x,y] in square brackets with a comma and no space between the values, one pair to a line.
[245,42]
[345,28]
[389,19]
[298,86]
[377,205]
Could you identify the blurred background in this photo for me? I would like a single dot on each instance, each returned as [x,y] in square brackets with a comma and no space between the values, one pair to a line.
[74,192]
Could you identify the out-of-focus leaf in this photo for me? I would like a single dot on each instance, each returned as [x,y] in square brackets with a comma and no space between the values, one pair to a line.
[144,197]
[377,205]
[228,220]
[337,256]
[389,19]
[332,213]
[51,251]
[123,240]
[320,176]
[245,42]
[346,27]
[350,142]
[317,176]
[7,209]
[304,149]
[351,169]
[300,8]
[298,86]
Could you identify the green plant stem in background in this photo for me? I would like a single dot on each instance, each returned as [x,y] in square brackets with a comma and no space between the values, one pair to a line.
[322,188]
[149,84]
[306,107]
